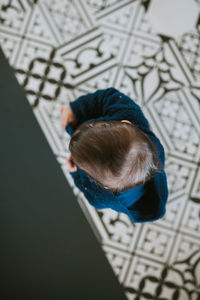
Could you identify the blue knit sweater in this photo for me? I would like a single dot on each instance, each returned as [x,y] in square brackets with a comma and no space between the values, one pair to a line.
[145,203]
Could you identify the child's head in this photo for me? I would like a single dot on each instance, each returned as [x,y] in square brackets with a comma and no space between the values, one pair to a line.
[118,155]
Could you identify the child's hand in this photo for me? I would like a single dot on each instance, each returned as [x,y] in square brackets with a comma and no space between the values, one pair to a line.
[71,165]
[67,115]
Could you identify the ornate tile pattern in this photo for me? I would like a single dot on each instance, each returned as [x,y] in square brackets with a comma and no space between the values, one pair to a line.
[60,50]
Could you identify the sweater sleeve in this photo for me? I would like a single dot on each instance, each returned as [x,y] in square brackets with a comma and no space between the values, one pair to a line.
[107,102]
[152,205]
[91,105]
[91,190]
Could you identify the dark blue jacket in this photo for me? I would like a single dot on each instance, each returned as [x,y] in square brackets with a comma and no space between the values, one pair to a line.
[145,203]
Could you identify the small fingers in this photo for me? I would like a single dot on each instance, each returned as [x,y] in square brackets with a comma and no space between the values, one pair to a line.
[63,116]
[64,123]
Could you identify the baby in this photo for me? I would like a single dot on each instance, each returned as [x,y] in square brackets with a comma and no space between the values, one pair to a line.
[112,143]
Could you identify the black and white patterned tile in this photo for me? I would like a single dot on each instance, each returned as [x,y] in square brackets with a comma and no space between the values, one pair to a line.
[60,50]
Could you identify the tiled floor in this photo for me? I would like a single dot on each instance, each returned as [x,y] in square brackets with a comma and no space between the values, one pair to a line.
[62,49]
